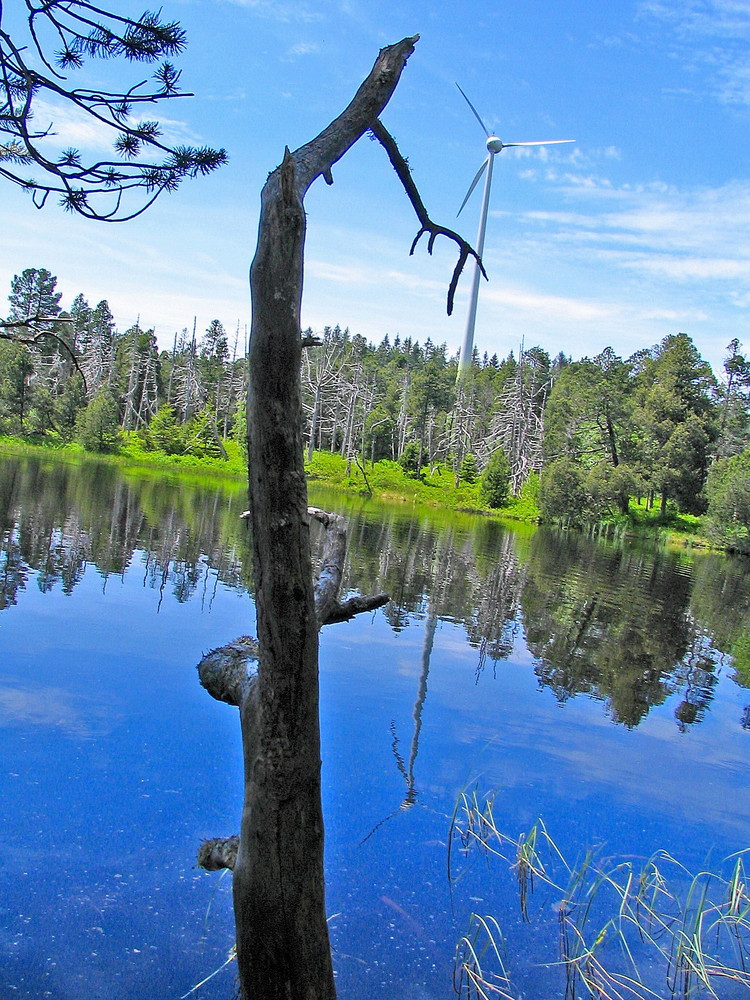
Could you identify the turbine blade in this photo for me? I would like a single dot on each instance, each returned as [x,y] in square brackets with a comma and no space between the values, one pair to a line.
[539,142]
[473,185]
[476,113]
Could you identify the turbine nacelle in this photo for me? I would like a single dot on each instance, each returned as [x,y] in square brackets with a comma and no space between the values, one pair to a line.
[494,145]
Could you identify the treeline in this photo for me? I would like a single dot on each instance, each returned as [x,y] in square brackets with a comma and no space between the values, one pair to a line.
[597,432]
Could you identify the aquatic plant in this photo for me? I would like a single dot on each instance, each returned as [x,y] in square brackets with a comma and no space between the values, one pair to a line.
[625,929]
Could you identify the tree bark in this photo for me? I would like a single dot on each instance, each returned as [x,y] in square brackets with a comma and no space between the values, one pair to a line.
[283,947]
[283,950]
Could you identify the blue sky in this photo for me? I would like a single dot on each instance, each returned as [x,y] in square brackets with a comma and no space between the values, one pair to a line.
[638,230]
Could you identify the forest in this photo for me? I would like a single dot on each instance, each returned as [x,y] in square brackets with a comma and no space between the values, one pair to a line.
[591,435]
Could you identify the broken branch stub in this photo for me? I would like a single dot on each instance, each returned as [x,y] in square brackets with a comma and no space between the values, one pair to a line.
[230,672]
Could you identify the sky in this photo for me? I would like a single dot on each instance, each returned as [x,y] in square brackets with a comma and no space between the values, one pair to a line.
[638,230]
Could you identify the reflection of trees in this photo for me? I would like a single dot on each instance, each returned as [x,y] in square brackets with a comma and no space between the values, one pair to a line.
[720,603]
[627,627]
[406,768]
[57,519]
[614,623]
[467,572]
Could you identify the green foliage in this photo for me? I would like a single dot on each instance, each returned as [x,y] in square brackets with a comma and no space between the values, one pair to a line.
[525,505]
[410,460]
[16,366]
[387,477]
[469,471]
[728,492]
[741,660]
[588,412]
[32,294]
[328,466]
[68,405]
[201,436]
[609,489]
[562,491]
[674,420]
[98,426]
[165,433]
[495,481]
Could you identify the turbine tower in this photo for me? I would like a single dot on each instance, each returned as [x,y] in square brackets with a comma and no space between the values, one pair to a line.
[494,146]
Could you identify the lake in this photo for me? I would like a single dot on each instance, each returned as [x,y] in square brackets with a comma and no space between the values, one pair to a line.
[588,683]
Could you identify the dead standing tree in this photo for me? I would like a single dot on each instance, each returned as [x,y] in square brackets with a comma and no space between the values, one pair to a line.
[283,948]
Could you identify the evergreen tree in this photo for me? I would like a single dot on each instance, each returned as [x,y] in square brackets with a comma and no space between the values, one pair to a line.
[728,493]
[469,471]
[495,481]
[562,491]
[98,425]
[165,433]
[674,420]
[33,295]
[734,401]
[63,34]
[80,315]
[16,368]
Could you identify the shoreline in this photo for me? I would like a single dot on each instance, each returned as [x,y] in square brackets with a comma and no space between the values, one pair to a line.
[386,482]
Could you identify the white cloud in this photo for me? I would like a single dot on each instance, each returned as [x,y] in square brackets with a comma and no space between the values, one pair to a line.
[710,34]
[303,49]
[70,126]
[680,234]
[548,307]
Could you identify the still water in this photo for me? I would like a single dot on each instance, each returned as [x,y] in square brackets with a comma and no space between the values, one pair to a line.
[600,686]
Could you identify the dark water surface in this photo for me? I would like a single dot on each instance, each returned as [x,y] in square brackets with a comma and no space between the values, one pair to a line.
[591,684]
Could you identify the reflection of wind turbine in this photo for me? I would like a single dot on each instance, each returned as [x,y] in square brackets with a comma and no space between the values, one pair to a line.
[494,145]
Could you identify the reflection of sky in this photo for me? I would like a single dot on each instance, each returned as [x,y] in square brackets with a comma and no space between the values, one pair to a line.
[116,764]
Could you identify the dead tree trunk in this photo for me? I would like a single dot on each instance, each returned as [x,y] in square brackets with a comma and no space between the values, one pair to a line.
[282,936]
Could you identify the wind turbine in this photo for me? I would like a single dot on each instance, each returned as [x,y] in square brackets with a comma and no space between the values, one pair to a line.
[494,145]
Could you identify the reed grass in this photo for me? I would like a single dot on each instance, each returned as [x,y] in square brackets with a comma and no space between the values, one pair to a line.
[470,980]
[627,929]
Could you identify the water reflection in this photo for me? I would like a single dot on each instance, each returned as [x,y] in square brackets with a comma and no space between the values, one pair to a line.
[58,519]
[496,657]
[619,624]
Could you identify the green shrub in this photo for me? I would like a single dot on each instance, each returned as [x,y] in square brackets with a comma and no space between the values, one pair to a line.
[165,433]
[469,471]
[410,460]
[98,426]
[562,493]
[495,481]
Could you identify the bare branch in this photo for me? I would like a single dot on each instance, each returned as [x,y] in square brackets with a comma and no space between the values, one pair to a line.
[328,583]
[316,158]
[357,605]
[10,329]
[77,30]
[400,165]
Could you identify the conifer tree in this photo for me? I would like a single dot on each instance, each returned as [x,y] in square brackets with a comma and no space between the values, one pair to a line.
[61,35]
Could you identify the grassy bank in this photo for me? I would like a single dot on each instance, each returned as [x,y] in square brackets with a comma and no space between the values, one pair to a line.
[386,480]
[436,488]
[132,455]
